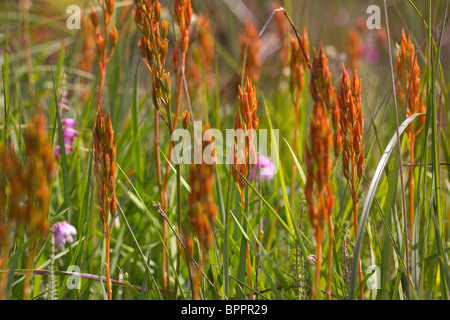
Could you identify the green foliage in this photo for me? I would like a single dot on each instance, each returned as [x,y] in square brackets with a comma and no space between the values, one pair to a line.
[280,250]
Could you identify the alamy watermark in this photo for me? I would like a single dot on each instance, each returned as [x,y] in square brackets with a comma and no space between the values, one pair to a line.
[73,281]
[374,20]
[74,19]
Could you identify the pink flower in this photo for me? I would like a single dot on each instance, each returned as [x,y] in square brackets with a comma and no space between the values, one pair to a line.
[69,122]
[312,259]
[371,54]
[63,233]
[69,134]
[263,167]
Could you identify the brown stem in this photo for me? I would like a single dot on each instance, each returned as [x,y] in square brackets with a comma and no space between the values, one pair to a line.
[107,262]
[161,196]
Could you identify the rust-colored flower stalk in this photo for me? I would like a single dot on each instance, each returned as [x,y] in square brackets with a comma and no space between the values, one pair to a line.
[202,212]
[318,189]
[40,170]
[183,15]
[154,47]
[200,61]
[244,153]
[297,81]
[409,73]
[297,67]
[11,189]
[355,49]
[322,89]
[201,207]
[246,119]
[25,193]
[103,39]
[352,124]
[104,171]
[250,51]
[104,142]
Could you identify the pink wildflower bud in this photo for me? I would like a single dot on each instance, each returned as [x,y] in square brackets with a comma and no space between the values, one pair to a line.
[69,122]
[70,132]
[263,167]
[63,233]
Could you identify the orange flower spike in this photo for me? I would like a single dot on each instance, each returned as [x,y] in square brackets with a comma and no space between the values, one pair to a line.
[183,14]
[355,49]
[321,84]
[201,207]
[297,67]
[250,49]
[407,64]
[318,189]
[408,82]
[352,126]
[305,42]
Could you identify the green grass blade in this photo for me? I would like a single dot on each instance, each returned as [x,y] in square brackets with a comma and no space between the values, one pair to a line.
[370,196]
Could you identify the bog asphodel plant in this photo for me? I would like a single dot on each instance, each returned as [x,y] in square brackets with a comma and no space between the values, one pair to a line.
[202,212]
[244,153]
[104,170]
[246,119]
[103,38]
[25,194]
[154,47]
[318,189]
[297,82]
[408,82]
[352,125]
[200,61]
[250,51]
[104,142]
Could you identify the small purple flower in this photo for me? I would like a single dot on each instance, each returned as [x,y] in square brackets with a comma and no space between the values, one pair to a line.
[69,134]
[371,54]
[263,167]
[63,233]
[69,122]
[312,259]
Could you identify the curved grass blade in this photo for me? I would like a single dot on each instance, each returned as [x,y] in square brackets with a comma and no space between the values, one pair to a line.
[299,167]
[371,195]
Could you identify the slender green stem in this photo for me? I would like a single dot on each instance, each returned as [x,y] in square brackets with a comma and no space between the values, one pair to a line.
[400,154]
[225,241]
